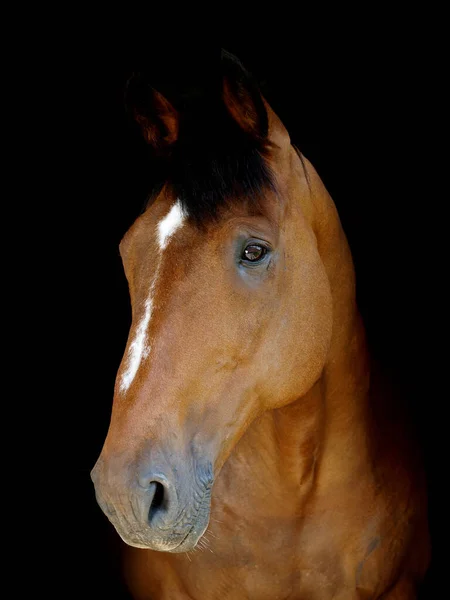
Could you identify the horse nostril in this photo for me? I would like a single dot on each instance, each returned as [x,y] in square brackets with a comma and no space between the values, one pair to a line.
[158,496]
[159,502]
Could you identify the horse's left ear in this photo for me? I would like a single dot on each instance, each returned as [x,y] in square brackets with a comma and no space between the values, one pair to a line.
[243,99]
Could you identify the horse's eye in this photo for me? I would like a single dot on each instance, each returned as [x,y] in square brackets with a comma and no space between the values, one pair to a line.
[254,253]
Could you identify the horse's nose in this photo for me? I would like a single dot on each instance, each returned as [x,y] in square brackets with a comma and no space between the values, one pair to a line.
[154,504]
[161,498]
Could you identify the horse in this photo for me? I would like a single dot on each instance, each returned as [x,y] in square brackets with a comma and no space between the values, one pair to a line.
[254,450]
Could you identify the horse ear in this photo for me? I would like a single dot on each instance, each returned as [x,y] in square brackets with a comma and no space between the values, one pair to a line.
[243,99]
[155,115]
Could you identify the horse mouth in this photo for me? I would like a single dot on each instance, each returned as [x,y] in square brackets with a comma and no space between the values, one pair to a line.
[194,534]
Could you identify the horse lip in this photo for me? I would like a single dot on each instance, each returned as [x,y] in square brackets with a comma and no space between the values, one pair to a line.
[143,545]
[186,544]
[199,526]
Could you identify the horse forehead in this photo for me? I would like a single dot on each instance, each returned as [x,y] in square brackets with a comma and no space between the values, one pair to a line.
[172,221]
[156,223]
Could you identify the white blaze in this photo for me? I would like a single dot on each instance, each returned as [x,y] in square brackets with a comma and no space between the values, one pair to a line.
[139,348]
[171,222]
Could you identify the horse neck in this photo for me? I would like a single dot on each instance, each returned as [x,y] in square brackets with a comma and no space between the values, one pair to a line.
[345,381]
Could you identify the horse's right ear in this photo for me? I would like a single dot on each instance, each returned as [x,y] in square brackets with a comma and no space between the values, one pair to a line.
[156,116]
[242,97]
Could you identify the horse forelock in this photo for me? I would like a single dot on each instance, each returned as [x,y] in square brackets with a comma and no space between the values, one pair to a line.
[207,174]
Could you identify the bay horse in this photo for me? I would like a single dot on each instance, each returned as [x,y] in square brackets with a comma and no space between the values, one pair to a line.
[253,450]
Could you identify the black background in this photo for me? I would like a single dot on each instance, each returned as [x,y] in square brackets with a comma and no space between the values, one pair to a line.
[362,105]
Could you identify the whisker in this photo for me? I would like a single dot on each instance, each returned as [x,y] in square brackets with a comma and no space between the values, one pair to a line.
[203,544]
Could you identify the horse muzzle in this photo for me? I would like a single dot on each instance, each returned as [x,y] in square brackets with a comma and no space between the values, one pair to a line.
[159,509]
